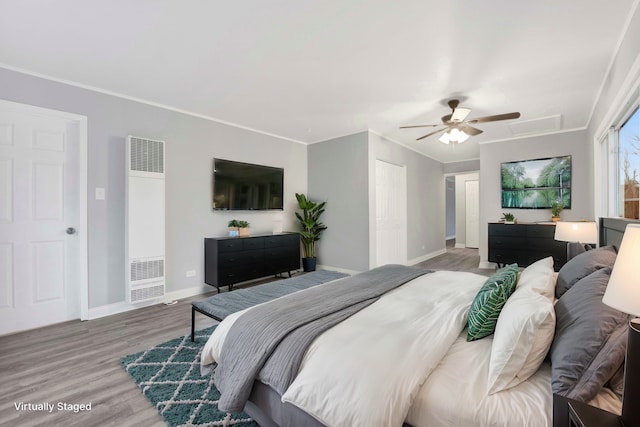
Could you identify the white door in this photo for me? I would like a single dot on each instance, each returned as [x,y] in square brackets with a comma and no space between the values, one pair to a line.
[472,214]
[391,213]
[39,218]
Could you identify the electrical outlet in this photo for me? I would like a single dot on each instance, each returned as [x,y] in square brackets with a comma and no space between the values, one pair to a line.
[191,273]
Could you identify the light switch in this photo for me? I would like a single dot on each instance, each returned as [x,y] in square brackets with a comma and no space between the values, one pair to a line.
[100,193]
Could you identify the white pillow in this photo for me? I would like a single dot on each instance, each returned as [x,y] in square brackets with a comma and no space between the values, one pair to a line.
[522,339]
[539,277]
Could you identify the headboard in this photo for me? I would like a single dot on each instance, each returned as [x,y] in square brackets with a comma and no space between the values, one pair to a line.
[612,229]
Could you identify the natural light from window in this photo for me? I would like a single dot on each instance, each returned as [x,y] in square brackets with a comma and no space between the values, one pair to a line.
[629,167]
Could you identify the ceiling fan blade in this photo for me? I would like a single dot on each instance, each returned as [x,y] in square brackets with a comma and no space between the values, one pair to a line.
[459,114]
[469,130]
[507,116]
[429,134]
[418,126]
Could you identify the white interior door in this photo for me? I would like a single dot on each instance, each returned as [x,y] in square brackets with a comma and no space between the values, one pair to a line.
[472,210]
[391,214]
[39,218]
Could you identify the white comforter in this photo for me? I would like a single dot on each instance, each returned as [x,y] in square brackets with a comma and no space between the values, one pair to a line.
[367,370]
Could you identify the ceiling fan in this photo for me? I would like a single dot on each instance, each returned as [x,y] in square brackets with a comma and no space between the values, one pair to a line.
[456,128]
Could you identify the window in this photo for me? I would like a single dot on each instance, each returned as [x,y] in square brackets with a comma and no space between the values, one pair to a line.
[629,167]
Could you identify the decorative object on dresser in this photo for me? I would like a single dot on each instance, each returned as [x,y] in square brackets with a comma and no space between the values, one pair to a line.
[231,260]
[238,228]
[556,208]
[579,235]
[508,218]
[312,228]
[623,293]
[524,244]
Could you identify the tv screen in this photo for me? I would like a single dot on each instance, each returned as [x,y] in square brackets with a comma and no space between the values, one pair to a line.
[245,186]
[537,183]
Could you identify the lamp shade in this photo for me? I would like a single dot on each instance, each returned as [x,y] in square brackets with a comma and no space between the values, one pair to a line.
[623,290]
[578,231]
[453,135]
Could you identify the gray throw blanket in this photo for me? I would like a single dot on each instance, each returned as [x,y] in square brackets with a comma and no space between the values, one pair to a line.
[273,337]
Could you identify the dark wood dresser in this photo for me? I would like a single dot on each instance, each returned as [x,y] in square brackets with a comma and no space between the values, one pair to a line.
[525,244]
[230,260]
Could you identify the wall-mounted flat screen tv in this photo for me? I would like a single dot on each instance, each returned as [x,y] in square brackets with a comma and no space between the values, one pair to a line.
[536,183]
[246,186]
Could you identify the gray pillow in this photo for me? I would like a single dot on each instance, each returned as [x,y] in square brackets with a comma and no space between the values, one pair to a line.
[588,346]
[582,265]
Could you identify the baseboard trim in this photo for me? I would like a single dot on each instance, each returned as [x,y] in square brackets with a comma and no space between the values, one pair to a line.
[460,246]
[123,306]
[486,264]
[427,256]
[450,237]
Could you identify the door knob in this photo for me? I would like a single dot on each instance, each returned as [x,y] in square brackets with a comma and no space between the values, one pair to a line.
[71,230]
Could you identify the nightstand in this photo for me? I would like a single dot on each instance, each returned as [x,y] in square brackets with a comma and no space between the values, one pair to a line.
[582,415]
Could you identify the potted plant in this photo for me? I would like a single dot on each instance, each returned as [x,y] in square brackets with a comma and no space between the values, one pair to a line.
[312,228]
[243,228]
[238,228]
[233,228]
[556,208]
[508,218]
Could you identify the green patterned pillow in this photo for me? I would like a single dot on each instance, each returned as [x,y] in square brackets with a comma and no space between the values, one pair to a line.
[486,306]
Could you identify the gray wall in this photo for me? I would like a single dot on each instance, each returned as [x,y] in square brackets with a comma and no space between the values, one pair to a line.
[338,173]
[191,144]
[491,155]
[342,172]
[425,196]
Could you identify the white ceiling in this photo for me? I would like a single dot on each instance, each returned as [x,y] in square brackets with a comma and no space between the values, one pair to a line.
[314,70]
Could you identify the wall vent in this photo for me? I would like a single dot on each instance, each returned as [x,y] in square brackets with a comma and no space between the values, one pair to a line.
[142,270]
[147,155]
[145,220]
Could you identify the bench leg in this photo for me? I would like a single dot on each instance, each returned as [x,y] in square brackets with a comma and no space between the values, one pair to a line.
[193,324]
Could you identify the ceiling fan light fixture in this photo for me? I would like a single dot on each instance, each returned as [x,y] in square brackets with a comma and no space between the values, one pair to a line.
[444,138]
[454,135]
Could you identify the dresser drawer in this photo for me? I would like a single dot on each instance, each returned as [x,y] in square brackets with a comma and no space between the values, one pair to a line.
[252,243]
[229,245]
[281,240]
[226,259]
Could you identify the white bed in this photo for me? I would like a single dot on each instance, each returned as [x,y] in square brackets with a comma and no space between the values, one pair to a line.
[405,358]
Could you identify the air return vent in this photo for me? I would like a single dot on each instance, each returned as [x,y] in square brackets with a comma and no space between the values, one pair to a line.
[146,155]
[145,220]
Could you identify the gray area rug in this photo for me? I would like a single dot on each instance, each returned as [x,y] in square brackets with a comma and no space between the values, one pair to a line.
[222,305]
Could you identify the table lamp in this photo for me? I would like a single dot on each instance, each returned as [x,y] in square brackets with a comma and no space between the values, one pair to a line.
[579,234]
[623,293]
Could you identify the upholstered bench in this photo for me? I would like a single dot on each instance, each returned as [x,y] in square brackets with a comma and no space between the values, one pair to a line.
[220,306]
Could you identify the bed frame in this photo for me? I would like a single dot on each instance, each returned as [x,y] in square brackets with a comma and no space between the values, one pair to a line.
[612,229]
[265,407]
